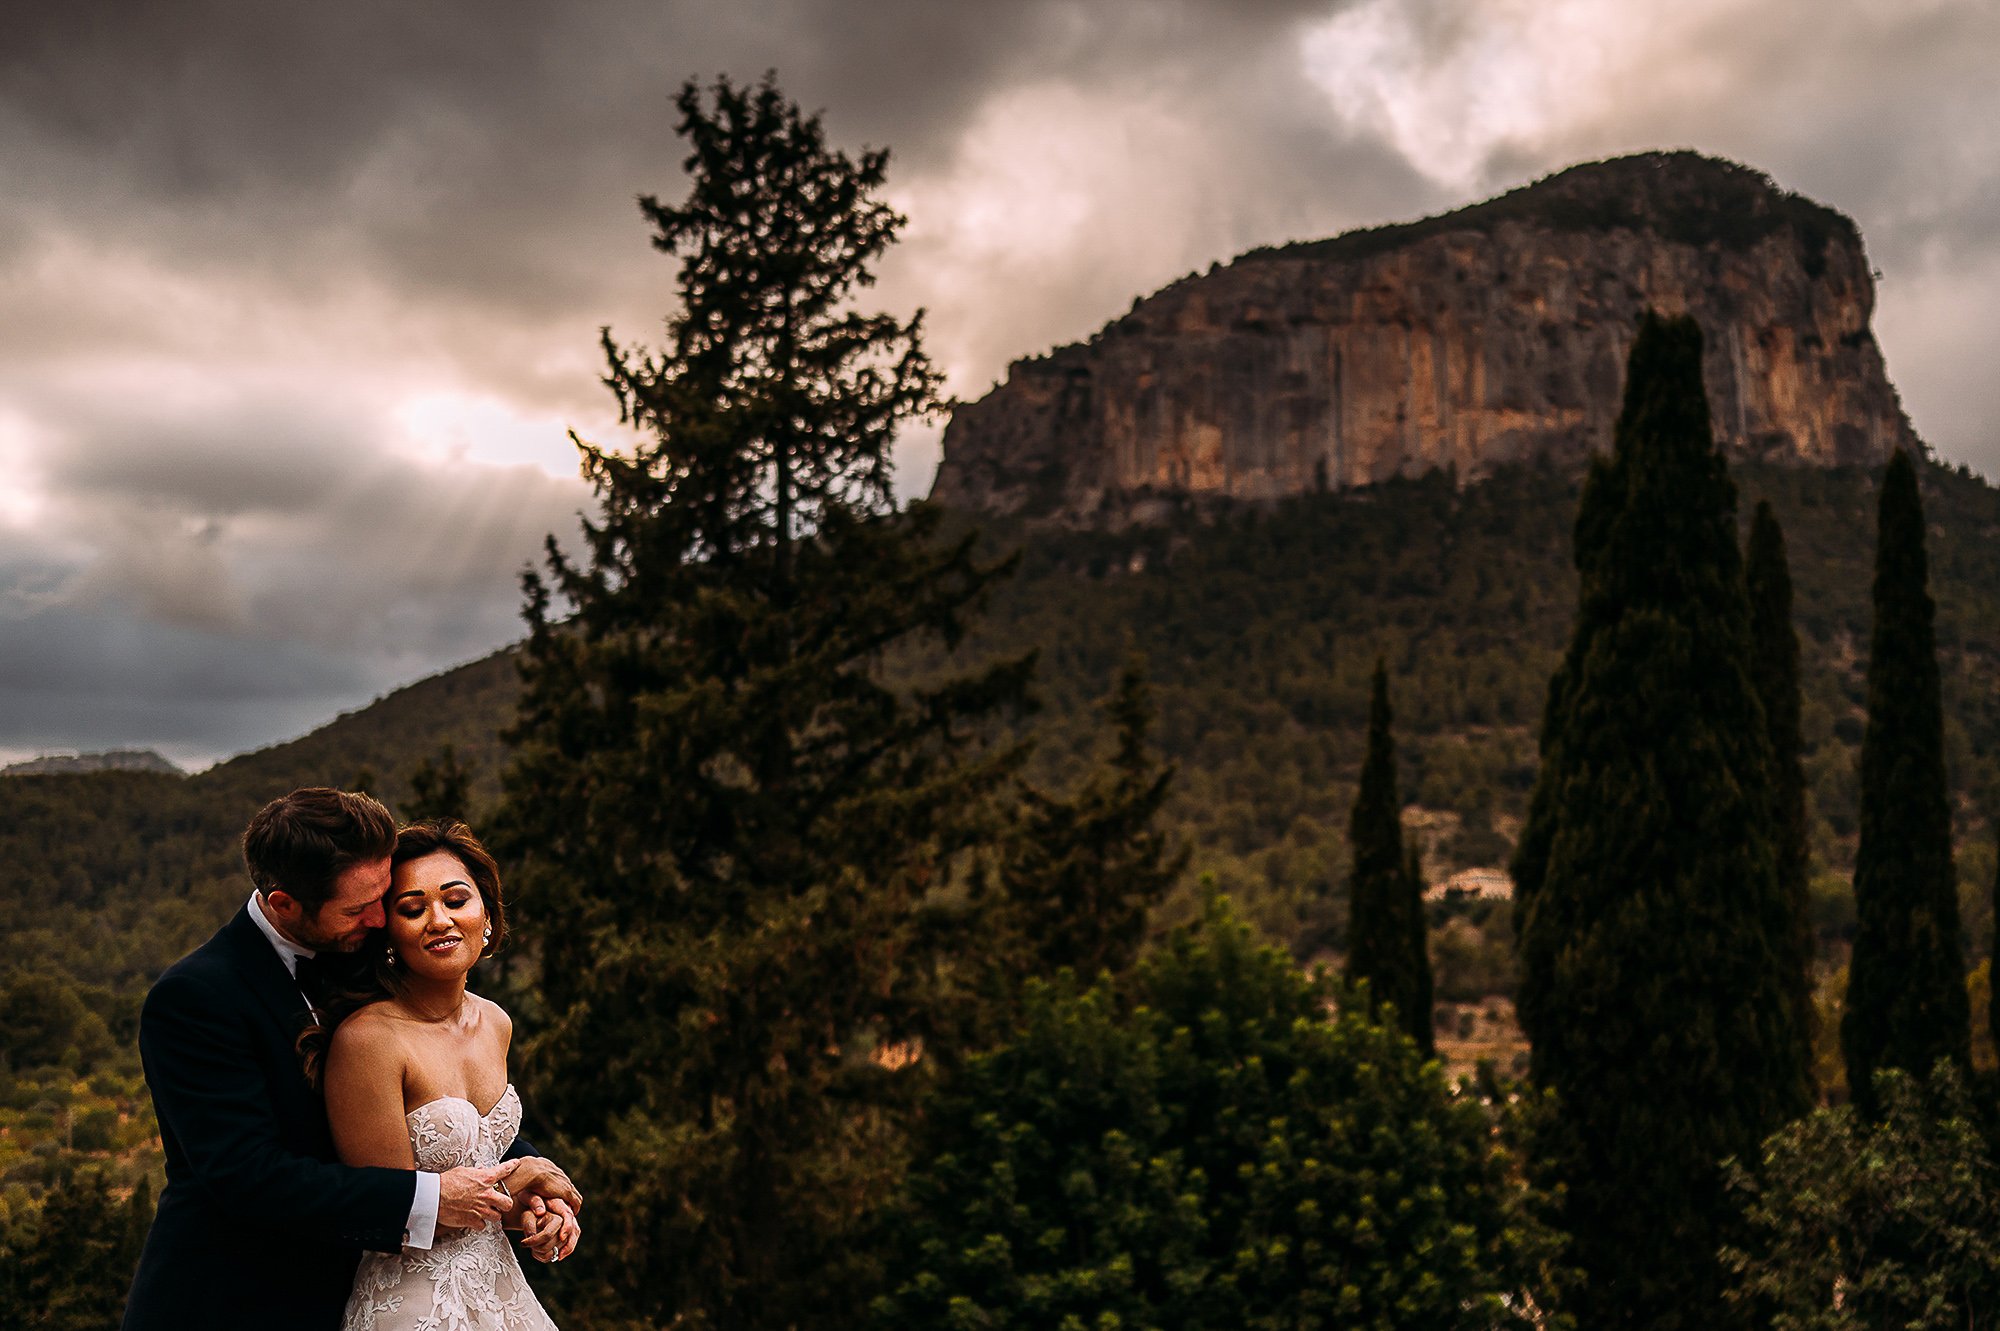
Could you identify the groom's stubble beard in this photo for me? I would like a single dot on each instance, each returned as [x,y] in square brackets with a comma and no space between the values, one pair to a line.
[318,940]
[337,926]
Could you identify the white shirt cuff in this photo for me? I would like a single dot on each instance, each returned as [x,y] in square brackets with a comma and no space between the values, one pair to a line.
[420,1230]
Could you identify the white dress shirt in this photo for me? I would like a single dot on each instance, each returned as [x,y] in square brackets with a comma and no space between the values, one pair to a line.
[420,1230]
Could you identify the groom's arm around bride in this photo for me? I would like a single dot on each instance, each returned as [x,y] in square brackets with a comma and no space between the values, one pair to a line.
[257,1225]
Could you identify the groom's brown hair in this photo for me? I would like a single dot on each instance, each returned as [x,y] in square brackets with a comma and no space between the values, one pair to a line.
[299,843]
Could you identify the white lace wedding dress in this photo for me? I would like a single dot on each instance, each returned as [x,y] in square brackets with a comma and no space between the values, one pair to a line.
[469,1280]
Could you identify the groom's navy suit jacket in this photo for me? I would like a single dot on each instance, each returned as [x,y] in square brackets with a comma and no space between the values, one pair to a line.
[257,1226]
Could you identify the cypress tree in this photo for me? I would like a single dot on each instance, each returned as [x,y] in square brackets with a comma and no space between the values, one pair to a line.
[1906,1001]
[1385,931]
[1653,929]
[1774,669]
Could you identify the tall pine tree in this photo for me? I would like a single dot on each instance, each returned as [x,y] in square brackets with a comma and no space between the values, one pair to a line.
[740,851]
[1654,931]
[1906,1000]
[1774,669]
[1386,942]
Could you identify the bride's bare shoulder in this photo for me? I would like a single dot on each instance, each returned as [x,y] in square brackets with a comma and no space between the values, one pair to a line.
[492,1012]
[367,1026]
[368,1038]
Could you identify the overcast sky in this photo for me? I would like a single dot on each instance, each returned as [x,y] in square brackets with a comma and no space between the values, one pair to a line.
[301,299]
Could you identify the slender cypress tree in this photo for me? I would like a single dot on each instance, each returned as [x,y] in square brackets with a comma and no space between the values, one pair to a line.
[1774,669]
[1906,1001]
[1385,931]
[1653,928]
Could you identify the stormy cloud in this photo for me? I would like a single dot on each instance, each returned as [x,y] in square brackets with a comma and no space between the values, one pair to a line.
[301,300]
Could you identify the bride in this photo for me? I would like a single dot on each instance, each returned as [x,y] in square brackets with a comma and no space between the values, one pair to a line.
[416,1077]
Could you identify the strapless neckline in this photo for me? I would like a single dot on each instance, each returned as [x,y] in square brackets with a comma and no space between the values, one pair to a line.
[468,1279]
[459,1099]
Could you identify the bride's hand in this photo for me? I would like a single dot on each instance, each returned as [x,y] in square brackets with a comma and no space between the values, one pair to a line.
[549,1230]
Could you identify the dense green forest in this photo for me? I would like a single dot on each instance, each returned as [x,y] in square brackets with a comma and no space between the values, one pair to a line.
[1259,626]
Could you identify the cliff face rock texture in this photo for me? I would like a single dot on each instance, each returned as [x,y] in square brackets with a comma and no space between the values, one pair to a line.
[1495,333]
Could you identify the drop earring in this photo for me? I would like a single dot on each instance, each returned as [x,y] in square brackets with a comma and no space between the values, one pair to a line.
[486,939]
[389,956]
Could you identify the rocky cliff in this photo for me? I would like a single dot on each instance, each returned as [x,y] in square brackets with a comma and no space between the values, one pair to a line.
[1494,333]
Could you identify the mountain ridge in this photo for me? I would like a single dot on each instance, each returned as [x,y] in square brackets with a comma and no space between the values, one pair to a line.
[1490,334]
[110,760]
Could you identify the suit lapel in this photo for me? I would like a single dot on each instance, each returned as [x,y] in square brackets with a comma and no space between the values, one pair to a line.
[258,963]
[293,1099]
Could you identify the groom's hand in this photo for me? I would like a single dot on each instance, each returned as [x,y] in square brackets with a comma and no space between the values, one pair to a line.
[467,1197]
[539,1177]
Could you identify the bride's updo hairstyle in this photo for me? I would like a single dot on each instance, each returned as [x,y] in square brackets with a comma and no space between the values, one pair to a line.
[382,979]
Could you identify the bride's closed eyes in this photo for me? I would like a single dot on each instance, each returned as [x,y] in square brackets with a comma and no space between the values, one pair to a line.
[412,907]
[439,920]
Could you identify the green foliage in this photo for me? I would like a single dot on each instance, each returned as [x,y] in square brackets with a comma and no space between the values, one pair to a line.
[440,787]
[1652,924]
[1082,873]
[1387,938]
[43,1020]
[743,853]
[1260,626]
[1260,629]
[67,1267]
[1774,671]
[1856,1225]
[1210,1147]
[1906,1002]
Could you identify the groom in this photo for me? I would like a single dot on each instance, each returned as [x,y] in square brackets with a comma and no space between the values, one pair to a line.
[258,1226]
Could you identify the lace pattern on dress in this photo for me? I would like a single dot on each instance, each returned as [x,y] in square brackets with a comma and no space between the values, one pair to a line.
[469,1279]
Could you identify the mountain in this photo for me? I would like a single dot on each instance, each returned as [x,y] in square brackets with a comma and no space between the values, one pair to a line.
[117,760]
[1494,334]
[1259,621]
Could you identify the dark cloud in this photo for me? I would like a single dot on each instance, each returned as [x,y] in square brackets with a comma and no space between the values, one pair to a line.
[83,679]
[301,297]
[215,576]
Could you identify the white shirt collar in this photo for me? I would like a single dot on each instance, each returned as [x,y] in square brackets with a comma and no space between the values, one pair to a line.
[288,951]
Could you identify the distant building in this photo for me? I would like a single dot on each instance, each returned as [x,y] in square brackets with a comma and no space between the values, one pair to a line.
[1473,883]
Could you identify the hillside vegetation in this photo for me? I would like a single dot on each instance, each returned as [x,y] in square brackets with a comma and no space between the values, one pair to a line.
[1259,625]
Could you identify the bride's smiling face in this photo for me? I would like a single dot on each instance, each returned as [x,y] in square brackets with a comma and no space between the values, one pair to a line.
[437,918]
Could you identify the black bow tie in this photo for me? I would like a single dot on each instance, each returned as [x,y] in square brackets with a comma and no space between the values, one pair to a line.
[323,973]
[311,974]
